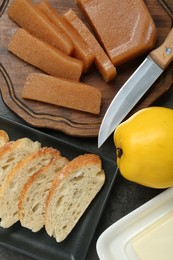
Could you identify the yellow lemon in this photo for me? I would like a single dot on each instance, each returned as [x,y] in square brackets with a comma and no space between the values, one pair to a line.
[144,147]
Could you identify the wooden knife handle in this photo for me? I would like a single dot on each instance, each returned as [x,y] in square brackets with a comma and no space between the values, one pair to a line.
[163,55]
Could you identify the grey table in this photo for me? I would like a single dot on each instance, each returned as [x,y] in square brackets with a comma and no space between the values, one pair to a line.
[125,196]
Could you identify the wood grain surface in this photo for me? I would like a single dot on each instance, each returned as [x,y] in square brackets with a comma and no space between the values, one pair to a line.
[168,6]
[13,73]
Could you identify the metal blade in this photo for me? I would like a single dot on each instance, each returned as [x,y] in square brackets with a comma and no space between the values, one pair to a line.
[127,97]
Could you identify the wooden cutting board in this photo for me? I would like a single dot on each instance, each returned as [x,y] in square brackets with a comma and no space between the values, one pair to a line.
[168,6]
[13,73]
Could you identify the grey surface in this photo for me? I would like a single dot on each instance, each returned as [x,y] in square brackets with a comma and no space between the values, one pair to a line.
[125,196]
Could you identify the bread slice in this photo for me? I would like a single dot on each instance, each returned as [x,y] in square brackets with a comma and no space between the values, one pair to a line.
[32,202]
[4,138]
[16,179]
[14,151]
[71,192]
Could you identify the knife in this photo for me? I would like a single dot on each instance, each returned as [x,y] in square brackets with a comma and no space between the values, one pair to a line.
[135,87]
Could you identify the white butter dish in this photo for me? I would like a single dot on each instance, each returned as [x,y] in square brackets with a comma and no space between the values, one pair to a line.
[146,233]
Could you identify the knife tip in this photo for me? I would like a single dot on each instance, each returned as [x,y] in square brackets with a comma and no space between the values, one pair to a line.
[98,145]
[100,141]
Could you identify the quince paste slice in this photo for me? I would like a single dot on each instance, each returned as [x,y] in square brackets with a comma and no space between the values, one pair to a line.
[125,28]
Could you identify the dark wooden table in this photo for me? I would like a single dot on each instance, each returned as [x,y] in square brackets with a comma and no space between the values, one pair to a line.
[125,196]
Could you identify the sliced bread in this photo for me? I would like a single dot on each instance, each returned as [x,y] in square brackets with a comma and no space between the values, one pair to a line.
[4,138]
[16,179]
[32,202]
[12,152]
[71,192]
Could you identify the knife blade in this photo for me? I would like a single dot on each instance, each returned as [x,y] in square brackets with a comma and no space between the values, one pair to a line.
[135,87]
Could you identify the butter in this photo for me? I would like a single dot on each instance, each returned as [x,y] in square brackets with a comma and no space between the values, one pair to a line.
[156,241]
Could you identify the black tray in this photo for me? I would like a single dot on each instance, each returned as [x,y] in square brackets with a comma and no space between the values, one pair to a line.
[39,245]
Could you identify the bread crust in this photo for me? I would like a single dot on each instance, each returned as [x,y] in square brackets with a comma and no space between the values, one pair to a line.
[15,180]
[46,173]
[32,201]
[4,138]
[75,169]
[14,151]
[71,167]
[41,152]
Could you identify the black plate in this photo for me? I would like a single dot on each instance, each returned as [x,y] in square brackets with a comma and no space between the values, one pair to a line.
[39,245]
